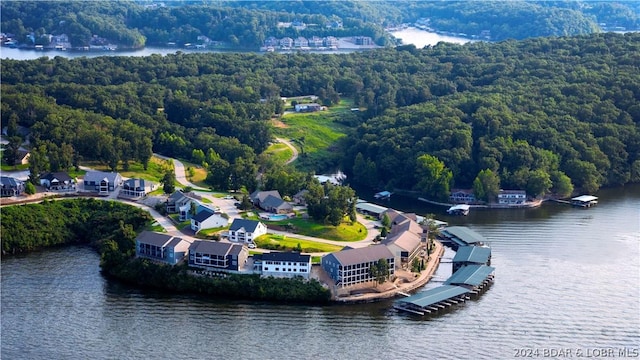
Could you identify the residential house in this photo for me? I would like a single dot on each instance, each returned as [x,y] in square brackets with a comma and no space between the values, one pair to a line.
[22,157]
[331,42]
[271,41]
[308,107]
[462,196]
[102,182]
[300,42]
[364,40]
[10,186]
[298,25]
[352,266]
[299,198]
[161,247]
[181,203]
[208,219]
[334,24]
[315,42]
[137,187]
[286,43]
[405,240]
[58,181]
[286,264]
[243,230]
[276,205]
[512,197]
[214,255]
[257,197]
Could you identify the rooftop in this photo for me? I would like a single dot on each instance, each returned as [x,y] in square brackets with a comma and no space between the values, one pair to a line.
[286,256]
[372,208]
[584,198]
[472,275]
[435,295]
[463,234]
[362,255]
[473,254]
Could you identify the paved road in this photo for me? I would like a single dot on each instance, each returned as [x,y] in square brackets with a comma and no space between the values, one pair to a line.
[181,175]
[293,148]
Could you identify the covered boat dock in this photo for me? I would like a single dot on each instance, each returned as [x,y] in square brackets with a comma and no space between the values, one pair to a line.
[471,255]
[460,209]
[474,277]
[458,236]
[584,201]
[433,300]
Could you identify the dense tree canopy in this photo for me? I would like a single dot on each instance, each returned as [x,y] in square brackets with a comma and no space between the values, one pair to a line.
[548,109]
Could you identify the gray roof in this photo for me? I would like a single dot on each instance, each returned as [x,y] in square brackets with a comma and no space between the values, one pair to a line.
[286,256]
[362,255]
[472,275]
[406,240]
[248,225]
[203,215]
[60,176]
[215,248]
[7,181]
[97,176]
[260,196]
[372,208]
[274,202]
[158,239]
[435,295]
[138,184]
[473,254]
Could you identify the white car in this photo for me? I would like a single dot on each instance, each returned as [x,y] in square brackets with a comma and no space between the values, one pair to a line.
[251,246]
[228,197]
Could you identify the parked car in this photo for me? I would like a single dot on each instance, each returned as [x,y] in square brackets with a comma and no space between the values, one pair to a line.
[251,245]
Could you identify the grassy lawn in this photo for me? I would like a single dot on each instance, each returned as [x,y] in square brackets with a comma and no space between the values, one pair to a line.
[213,231]
[155,227]
[180,225]
[20,167]
[279,152]
[287,243]
[342,232]
[155,170]
[199,174]
[316,133]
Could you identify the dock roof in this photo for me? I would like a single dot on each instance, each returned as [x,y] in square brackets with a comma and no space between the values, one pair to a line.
[435,295]
[472,275]
[371,208]
[585,198]
[463,234]
[473,254]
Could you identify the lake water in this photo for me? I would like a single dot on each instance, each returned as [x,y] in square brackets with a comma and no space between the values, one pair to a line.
[566,278]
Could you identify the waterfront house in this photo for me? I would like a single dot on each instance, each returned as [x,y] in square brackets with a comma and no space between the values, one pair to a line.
[137,187]
[271,41]
[352,266]
[286,264]
[102,182]
[161,247]
[462,196]
[300,42]
[316,42]
[10,186]
[214,255]
[55,181]
[286,43]
[207,218]
[512,197]
[331,42]
[243,230]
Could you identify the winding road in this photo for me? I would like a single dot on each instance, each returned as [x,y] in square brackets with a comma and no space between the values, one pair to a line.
[293,148]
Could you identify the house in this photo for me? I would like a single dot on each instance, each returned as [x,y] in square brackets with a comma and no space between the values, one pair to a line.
[364,40]
[315,42]
[242,230]
[208,219]
[308,107]
[286,264]
[137,187]
[181,203]
[22,156]
[286,42]
[462,196]
[405,240]
[512,197]
[58,181]
[213,255]
[271,41]
[300,42]
[352,266]
[331,42]
[102,182]
[161,247]
[276,205]
[10,186]
[299,198]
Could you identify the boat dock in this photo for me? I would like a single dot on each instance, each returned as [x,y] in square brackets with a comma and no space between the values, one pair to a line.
[584,201]
[460,209]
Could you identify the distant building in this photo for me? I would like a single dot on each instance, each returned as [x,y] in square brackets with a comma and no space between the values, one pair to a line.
[58,181]
[308,107]
[242,230]
[137,187]
[364,40]
[208,219]
[10,186]
[102,182]
[512,197]
[462,196]
[315,42]
[161,247]
[300,42]
[331,41]
[286,42]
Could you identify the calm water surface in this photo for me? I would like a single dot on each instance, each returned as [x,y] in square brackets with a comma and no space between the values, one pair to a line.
[565,278]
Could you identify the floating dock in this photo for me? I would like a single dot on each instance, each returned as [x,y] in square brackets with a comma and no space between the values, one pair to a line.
[460,209]
[584,201]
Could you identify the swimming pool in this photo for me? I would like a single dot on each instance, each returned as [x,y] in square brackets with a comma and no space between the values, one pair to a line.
[277,217]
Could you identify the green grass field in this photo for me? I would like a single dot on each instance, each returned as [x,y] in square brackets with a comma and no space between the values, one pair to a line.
[288,243]
[279,152]
[155,170]
[20,167]
[343,232]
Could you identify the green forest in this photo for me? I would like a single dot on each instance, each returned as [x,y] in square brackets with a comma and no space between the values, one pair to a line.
[548,115]
[246,24]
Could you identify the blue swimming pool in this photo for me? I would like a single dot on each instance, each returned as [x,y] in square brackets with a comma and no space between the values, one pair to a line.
[277,217]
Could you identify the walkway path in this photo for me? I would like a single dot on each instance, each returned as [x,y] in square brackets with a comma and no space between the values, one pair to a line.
[293,148]
[181,175]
